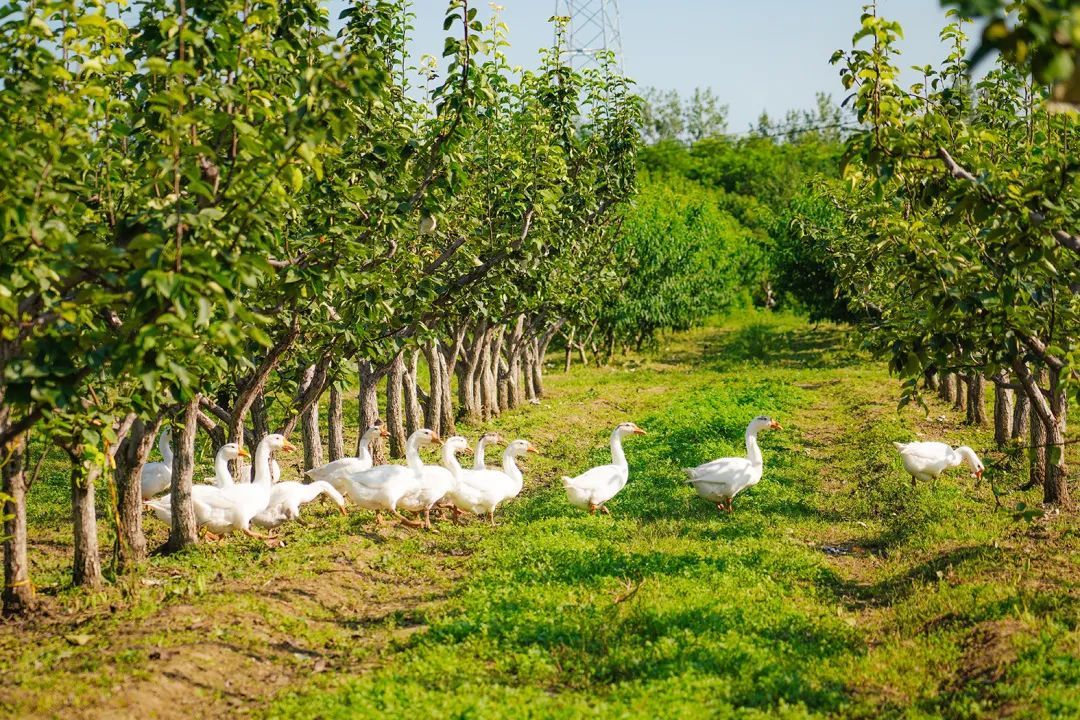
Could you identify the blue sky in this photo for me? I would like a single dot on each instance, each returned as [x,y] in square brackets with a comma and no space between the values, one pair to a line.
[755,54]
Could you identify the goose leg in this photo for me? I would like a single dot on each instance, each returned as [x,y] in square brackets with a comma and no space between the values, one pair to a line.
[491,517]
[427,520]
[592,509]
[406,521]
[603,509]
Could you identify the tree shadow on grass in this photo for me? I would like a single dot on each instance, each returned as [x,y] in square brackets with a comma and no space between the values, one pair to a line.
[884,593]
[771,345]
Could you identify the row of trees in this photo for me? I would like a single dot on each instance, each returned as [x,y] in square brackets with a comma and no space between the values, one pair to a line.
[949,237]
[217,215]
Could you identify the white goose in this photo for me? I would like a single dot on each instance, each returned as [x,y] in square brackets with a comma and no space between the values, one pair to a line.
[491,438]
[481,491]
[162,506]
[287,497]
[435,482]
[157,476]
[725,478]
[336,471]
[926,460]
[223,510]
[381,487]
[226,453]
[591,489]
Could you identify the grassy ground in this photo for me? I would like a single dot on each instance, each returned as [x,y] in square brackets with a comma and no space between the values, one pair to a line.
[836,589]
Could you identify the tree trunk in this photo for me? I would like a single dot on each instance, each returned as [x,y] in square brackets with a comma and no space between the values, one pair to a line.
[414,414]
[131,455]
[447,406]
[538,367]
[184,532]
[1021,416]
[1003,412]
[369,408]
[18,596]
[1056,489]
[976,403]
[309,422]
[569,350]
[515,395]
[87,568]
[530,388]
[260,422]
[490,389]
[930,380]
[1037,453]
[960,394]
[1050,414]
[335,423]
[394,421]
[947,387]
[433,411]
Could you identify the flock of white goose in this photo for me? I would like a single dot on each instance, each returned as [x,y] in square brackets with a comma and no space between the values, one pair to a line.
[418,488]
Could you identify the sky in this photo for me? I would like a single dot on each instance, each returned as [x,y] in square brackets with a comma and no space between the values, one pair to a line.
[756,55]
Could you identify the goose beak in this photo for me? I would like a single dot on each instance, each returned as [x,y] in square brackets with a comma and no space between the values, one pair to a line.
[288,446]
[343,510]
[243,453]
[639,431]
[978,474]
[532,449]
[435,439]
[384,433]
[775,425]
[467,450]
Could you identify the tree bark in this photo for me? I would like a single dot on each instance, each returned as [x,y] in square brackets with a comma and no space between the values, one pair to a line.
[87,568]
[527,357]
[490,389]
[369,406]
[184,532]
[309,421]
[131,454]
[335,424]
[433,411]
[447,406]
[960,394]
[395,424]
[538,367]
[947,387]
[1003,412]
[1050,414]
[414,414]
[1056,489]
[976,400]
[569,350]
[260,421]
[1036,453]
[18,596]
[1021,416]
[930,380]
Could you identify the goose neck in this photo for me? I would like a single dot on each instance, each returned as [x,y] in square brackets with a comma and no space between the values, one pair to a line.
[412,456]
[753,452]
[450,461]
[262,463]
[618,457]
[510,466]
[222,473]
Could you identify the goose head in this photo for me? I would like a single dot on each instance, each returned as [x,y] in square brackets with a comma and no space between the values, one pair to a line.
[520,447]
[457,444]
[763,422]
[491,438]
[972,460]
[277,441]
[424,437]
[232,451]
[629,428]
[376,431]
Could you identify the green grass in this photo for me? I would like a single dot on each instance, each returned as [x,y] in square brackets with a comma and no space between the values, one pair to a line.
[835,590]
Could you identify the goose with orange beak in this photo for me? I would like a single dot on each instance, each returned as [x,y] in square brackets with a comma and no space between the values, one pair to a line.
[594,487]
[719,481]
